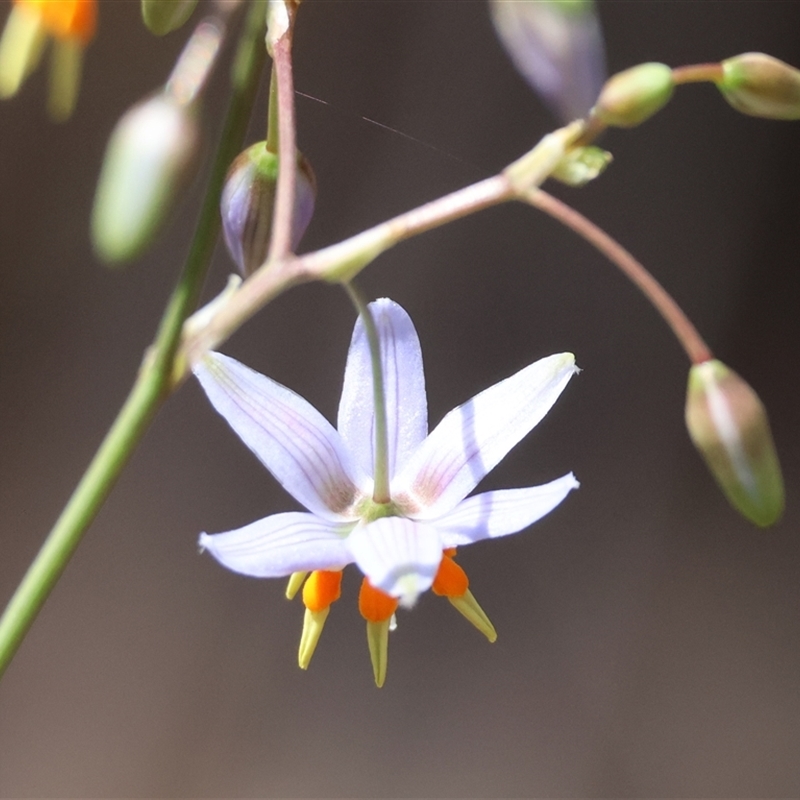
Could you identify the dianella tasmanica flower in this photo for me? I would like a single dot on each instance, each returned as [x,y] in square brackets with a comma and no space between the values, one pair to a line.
[403,538]
[70,24]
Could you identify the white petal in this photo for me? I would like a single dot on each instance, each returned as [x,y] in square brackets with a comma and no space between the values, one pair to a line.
[289,436]
[473,438]
[494,514]
[398,555]
[404,385]
[280,545]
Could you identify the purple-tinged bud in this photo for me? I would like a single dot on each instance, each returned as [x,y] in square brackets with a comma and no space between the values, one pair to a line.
[634,95]
[728,425]
[581,165]
[164,16]
[557,45]
[149,159]
[761,86]
[248,201]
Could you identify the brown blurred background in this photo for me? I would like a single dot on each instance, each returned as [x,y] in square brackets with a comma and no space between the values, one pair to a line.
[649,639]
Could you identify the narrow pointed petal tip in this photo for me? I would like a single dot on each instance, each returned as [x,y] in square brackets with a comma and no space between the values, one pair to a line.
[494,514]
[473,438]
[404,388]
[279,545]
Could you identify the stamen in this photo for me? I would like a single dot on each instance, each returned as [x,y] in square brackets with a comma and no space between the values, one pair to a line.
[295,582]
[313,623]
[21,49]
[450,581]
[321,589]
[378,641]
[66,60]
[468,606]
[374,604]
[66,18]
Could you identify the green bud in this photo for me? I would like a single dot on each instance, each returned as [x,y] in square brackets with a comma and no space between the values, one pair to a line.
[248,200]
[761,86]
[728,425]
[164,16]
[149,159]
[630,97]
[581,165]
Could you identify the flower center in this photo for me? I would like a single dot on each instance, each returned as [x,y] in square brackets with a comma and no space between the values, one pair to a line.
[369,511]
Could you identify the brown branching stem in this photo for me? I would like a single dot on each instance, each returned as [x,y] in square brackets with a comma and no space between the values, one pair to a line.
[696,349]
[698,73]
[283,219]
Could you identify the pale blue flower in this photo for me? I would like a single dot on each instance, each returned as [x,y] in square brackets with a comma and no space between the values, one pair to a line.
[398,546]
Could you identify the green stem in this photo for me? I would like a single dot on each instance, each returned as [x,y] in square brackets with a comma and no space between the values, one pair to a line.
[272,113]
[154,382]
[380,492]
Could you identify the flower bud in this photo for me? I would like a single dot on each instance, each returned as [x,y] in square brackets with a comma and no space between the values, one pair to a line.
[581,165]
[164,16]
[728,425]
[634,95]
[248,200]
[149,158]
[557,46]
[761,86]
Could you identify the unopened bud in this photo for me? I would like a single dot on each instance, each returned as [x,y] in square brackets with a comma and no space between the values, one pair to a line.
[557,45]
[761,86]
[581,165]
[728,425]
[248,201]
[163,16]
[634,95]
[149,158]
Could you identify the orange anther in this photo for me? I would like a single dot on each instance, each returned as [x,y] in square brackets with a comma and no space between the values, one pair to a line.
[450,580]
[375,605]
[65,18]
[321,589]
[450,551]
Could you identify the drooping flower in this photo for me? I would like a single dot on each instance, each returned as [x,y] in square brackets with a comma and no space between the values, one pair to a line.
[70,24]
[403,543]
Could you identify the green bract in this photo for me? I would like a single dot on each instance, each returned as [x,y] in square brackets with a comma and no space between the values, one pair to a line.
[581,165]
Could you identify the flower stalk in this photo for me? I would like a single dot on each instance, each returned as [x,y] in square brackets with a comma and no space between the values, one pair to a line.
[280,26]
[693,344]
[380,493]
